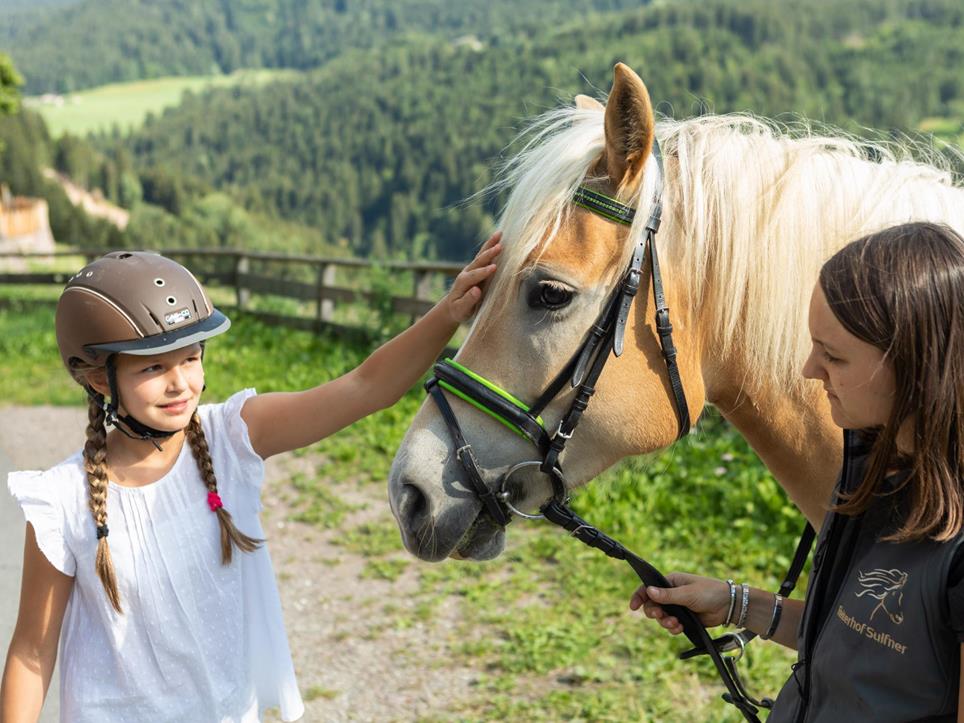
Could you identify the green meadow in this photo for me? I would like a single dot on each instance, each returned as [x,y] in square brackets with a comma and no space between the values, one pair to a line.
[949,130]
[126,105]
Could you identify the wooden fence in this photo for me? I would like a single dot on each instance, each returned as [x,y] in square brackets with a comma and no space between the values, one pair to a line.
[310,279]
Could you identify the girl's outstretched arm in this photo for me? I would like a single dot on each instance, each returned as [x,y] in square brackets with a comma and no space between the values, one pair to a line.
[282,421]
[44,592]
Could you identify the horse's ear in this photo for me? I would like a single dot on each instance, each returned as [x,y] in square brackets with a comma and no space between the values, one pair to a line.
[630,127]
[584,102]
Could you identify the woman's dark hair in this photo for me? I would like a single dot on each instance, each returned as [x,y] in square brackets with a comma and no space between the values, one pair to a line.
[902,290]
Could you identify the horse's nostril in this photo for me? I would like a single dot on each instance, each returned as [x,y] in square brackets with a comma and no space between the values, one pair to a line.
[413,507]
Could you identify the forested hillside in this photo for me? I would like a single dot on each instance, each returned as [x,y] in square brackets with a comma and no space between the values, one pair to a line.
[137,39]
[373,152]
[378,147]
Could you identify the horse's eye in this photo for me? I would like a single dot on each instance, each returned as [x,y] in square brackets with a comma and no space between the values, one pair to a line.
[547,295]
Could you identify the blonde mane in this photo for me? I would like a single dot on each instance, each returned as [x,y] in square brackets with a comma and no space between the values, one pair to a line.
[751,210]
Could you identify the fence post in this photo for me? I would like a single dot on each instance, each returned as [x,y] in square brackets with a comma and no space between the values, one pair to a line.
[241,268]
[422,288]
[326,280]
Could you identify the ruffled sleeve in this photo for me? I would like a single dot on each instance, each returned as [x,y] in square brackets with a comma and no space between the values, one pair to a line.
[37,496]
[235,427]
[230,442]
[955,593]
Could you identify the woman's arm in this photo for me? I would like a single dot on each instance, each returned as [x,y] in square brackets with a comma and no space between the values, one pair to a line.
[44,592]
[283,421]
[710,600]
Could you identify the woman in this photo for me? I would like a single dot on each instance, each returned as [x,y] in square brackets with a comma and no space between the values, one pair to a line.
[880,635]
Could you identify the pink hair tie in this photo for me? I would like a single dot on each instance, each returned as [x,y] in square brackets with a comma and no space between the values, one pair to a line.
[214,501]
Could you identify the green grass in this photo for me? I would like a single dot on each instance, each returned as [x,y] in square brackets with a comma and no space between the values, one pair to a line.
[950,130]
[557,611]
[546,626]
[127,104]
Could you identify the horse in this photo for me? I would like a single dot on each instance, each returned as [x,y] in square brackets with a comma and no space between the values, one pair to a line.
[750,210]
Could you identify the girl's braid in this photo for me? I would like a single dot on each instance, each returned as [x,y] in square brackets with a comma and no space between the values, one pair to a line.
[229,533]
[95,463]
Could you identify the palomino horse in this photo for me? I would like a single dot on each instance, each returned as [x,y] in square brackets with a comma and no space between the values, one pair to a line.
[749,215]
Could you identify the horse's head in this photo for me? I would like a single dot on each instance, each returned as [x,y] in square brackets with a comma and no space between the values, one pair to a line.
[749,213]
[558,270]
[886,586]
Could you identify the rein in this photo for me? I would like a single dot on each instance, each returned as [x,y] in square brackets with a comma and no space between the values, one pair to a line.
[581,373]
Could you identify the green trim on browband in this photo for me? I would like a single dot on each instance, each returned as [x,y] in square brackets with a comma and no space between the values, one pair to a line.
[486,383]
[604,206]
[482,408]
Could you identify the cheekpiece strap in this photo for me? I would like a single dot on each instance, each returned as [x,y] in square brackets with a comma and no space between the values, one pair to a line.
[465,456]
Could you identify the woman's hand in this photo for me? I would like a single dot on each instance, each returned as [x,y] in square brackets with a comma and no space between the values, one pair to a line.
[708,598]
[466,292]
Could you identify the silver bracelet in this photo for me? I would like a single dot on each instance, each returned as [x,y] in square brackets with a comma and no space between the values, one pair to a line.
[746,605]
[729,612]
[775,617]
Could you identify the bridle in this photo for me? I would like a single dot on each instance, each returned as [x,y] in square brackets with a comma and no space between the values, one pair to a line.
[581,373]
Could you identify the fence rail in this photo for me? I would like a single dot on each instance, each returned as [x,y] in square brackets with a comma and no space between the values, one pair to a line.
[228,268]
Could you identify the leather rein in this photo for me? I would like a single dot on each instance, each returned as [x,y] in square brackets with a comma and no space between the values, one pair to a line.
[581,373]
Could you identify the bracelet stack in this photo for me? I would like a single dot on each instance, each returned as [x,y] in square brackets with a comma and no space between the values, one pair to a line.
[740,619]
[737,616]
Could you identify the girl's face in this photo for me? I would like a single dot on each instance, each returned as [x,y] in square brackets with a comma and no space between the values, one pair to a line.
[858,380]
[161,391]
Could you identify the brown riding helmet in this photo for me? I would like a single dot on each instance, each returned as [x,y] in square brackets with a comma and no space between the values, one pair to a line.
[133,302]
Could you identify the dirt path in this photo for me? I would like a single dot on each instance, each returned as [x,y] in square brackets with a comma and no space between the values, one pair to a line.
[360,648]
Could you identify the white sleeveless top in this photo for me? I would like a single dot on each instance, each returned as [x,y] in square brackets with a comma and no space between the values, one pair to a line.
[198,640]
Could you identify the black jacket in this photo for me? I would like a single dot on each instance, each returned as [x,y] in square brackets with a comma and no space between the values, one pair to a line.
[875,642]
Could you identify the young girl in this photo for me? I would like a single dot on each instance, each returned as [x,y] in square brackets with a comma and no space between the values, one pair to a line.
[130,558]
[881,633]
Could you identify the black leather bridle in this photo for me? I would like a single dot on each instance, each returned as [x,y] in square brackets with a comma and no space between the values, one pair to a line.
[581,373]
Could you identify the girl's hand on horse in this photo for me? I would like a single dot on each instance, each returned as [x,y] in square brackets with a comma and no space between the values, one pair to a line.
[708,598]
[466,292]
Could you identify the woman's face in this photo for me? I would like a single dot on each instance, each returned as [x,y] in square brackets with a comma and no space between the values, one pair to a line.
[161,391]
[858,380]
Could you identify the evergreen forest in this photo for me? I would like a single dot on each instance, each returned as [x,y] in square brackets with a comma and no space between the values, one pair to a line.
[375,148]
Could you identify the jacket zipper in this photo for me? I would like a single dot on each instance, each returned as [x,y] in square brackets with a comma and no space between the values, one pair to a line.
[812,636]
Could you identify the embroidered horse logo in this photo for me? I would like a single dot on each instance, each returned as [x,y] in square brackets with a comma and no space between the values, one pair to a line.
[887,586]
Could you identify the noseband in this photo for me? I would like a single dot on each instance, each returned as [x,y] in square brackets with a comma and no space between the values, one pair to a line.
[581,373]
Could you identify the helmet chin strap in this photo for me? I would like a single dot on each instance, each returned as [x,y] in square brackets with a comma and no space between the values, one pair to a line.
[126,423]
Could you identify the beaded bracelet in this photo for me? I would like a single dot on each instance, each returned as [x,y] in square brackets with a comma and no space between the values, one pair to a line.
[745,606]
[775,617]
[729,612]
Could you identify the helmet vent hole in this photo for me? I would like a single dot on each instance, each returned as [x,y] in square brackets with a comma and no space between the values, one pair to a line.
[171,300]
[159,282]
[125,256]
